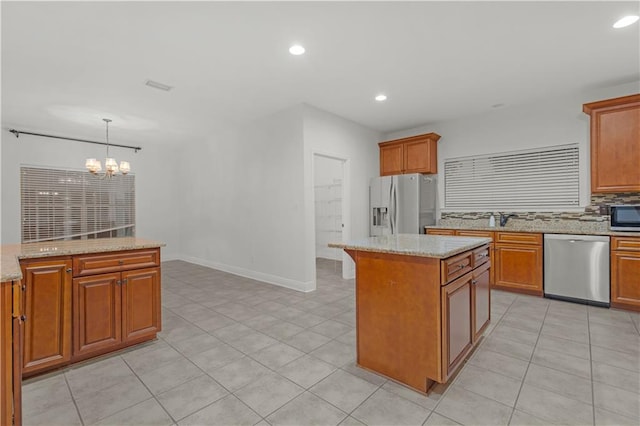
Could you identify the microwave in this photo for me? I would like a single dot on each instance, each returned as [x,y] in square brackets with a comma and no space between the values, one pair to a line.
[625,218]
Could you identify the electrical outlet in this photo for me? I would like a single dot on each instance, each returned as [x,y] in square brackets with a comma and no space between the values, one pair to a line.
[604,210]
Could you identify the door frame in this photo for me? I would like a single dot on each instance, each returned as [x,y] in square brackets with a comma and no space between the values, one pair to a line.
[348,267]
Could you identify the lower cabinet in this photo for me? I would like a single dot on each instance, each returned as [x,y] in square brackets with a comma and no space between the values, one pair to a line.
[625,273]
[141,310]
[97,311]
[85,305]
[481,299]
[111,309]
[466,304]
[518,262]
[47,330]
[457,321]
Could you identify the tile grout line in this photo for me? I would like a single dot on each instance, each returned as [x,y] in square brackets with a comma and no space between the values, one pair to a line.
[524,377]
[593,393]
[149,390]
[73,398]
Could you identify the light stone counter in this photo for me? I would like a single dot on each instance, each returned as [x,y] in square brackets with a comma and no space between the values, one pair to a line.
[415,245]
[11,254]
[537,226]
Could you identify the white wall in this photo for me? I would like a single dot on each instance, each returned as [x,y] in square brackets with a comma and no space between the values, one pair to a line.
[555,121]
[156,183]
[335,136]
[243,201]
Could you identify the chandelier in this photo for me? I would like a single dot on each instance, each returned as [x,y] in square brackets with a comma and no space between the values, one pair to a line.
[110,164]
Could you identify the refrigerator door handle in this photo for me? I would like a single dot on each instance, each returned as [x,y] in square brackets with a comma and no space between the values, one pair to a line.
[394,207]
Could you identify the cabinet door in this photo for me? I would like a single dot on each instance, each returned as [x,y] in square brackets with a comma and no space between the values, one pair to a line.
[625,280]
[481,297]
[615,150]
[456,321]
[391,160]
[47,329]
[420,156]
[141,303]
[96,313]
[519,267]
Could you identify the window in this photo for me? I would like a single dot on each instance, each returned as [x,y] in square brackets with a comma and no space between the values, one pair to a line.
[538,180]
[71,204]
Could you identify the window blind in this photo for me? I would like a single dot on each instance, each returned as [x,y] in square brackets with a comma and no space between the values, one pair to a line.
[536,180]
[71,204]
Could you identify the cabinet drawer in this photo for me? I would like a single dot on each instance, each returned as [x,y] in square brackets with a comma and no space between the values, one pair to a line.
[118,261]
[455,267]
[481,255]
[432,231]
[625,243]
[483,234]
[518,237]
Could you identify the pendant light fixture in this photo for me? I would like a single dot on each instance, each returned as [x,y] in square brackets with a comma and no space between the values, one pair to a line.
[110,164]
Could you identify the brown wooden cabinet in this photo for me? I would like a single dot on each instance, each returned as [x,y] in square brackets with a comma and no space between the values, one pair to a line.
[11,331]
[615,144]
[97,306]
[47,330]
[481,300]
[518,262]
[113,309]
[469,233]
[625,273]
[456,321]
[416,154]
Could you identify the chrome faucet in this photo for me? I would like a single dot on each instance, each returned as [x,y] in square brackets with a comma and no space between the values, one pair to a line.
[504,218]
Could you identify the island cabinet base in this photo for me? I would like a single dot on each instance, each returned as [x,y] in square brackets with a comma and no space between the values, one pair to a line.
[417,318]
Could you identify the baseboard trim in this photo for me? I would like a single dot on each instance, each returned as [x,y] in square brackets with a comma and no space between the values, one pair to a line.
[302,286]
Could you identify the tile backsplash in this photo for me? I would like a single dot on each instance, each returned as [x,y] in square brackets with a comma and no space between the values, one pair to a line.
[591,212]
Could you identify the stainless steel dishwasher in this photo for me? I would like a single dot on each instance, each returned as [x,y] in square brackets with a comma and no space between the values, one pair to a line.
[576,268]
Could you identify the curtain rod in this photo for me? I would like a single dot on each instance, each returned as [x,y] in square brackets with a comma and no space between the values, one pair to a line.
[19,132]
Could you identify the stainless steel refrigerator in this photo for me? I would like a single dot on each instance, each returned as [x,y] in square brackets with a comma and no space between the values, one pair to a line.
[402,204]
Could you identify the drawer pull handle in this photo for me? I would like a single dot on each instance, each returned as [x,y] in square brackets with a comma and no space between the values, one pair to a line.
[460,266]
[120,262]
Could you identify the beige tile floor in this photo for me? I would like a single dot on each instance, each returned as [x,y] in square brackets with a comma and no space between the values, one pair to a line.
[240,352]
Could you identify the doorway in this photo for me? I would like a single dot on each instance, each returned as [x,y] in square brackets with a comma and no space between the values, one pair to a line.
[331,212]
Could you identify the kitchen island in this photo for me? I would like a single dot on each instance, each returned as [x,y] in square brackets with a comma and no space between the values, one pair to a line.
[422,303]
[66,301]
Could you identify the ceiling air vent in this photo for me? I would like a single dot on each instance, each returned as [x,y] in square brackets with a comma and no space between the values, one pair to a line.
[158,86]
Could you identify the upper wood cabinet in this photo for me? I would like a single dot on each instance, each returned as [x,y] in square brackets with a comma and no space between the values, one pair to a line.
[615,144]
[416,154]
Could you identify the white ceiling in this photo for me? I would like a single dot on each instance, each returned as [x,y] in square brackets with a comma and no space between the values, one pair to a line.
[66,65]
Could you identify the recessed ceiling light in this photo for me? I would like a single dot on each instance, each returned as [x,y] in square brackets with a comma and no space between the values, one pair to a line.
[296,49]
[381,98]
[626,21]
[497,105]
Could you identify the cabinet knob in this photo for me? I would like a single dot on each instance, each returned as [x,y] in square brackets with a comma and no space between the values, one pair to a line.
[121,262]
[23,318]
[118,282]
[124,281]
[69,270]
[474,282]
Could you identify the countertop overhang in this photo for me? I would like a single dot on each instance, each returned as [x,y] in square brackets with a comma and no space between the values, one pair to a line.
[11,254]
[435,246]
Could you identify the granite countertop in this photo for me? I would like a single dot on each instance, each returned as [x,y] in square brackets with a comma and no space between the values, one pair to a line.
[10,254]
[415,245]
[537,226]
